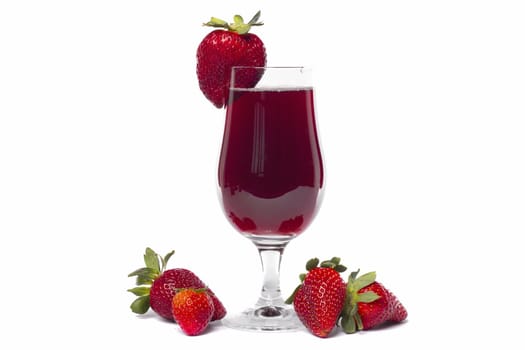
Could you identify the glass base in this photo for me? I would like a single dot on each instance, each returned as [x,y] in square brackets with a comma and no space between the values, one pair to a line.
[266,318]
[270,313]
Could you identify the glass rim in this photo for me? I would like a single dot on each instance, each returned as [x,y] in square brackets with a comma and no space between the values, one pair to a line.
[271,77]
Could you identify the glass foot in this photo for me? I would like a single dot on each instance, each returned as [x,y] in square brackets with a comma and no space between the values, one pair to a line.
[266,318]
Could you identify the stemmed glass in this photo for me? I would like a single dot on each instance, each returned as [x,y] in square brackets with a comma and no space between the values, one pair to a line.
[270,176]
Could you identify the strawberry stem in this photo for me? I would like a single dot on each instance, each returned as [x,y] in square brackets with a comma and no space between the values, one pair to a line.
[238,26]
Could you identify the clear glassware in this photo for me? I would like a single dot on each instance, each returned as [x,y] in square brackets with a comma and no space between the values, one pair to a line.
[270,176]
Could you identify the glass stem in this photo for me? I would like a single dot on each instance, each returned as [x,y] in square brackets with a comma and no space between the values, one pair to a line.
[270,302]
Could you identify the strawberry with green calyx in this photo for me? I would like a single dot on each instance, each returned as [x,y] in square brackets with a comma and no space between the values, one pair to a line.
[369,304]
[220,50]
[319,299]
[156,286]
[192,309]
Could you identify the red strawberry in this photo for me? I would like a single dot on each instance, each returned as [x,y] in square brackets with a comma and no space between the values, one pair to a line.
[369,304]
[319,300]
[225,48]
[193,310]
[157,286]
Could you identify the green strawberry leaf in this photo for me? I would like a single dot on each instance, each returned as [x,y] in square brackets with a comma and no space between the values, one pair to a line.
[353,275]
[364,280]
[302,276]
[255,18]
[144,280]
[348,324]
[237,19]
[358,321]
[328,264]
[152,260]
[292,297]
[143,271]
[312,264]
[217,22]
[140,305]
[367,297]
[145,275]
[238,25]
[340,268]
[334,263]
[165,259]
[335,260]
[140,291]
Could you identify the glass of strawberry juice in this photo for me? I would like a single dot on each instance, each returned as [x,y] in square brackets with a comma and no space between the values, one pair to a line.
[270,176]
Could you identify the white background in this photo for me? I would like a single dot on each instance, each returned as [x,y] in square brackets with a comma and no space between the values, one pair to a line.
[108,146]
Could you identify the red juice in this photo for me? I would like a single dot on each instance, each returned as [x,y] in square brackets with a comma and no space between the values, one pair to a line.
[270,168]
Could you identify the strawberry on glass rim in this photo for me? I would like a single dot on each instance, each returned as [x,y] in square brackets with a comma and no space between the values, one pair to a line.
[220,50]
